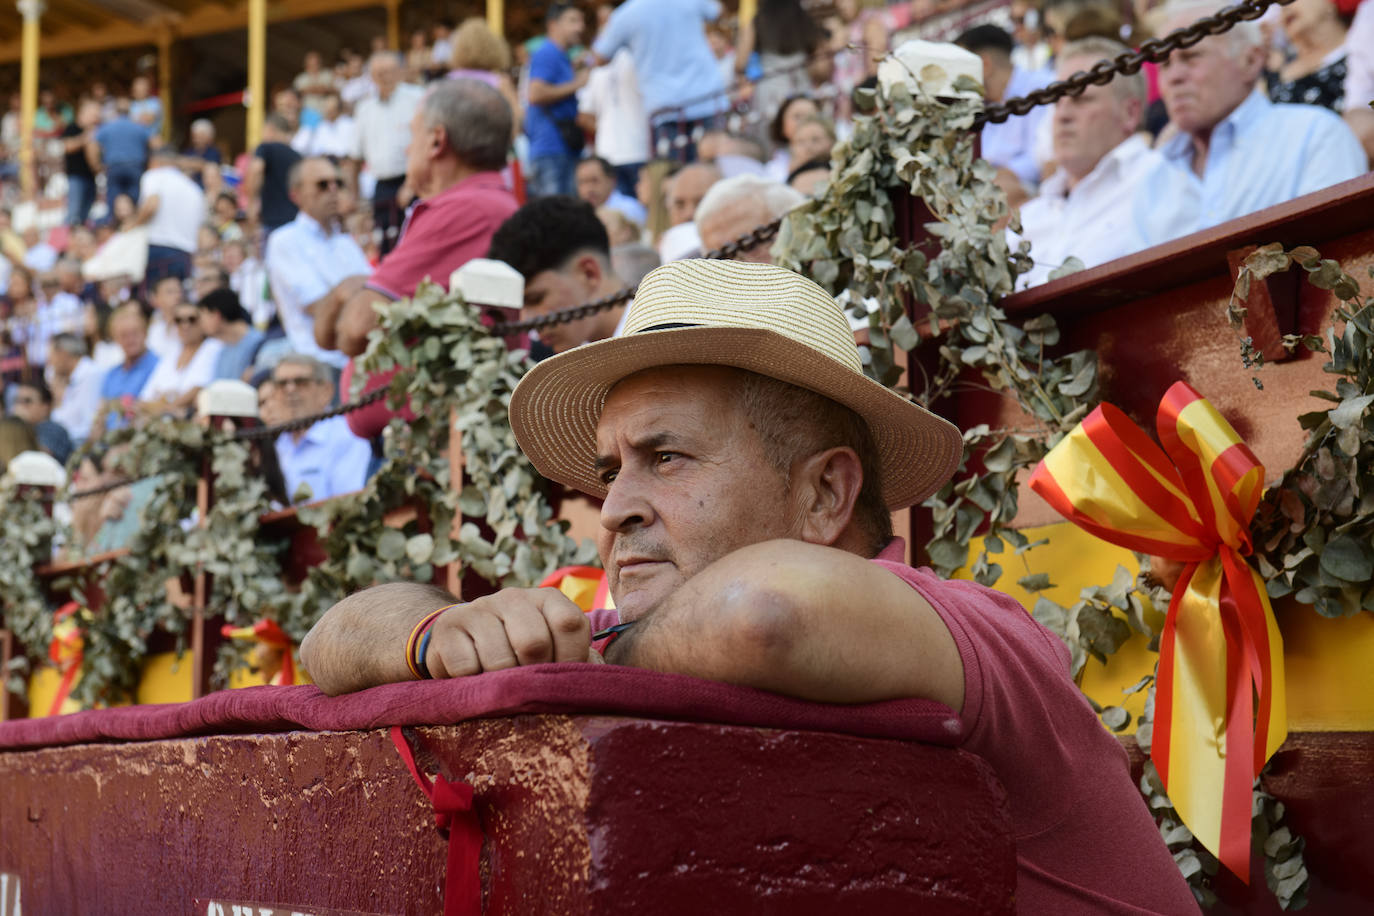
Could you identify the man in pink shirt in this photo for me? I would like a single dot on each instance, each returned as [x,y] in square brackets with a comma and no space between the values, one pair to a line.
[748,471]
[458,142]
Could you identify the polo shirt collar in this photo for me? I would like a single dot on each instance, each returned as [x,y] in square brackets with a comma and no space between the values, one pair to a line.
[478,181]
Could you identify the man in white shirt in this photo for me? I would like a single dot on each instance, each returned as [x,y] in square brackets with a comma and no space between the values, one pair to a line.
[326,458]
[75,382]
[334,135]
[1235,151]
[310,255]
[612,98]
[383,131]
[1101,157]
[172,206]
[596,184]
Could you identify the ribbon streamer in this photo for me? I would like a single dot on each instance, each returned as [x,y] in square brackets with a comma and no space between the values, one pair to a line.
[457,821]
[275,655]
[1220,710]
[66,651]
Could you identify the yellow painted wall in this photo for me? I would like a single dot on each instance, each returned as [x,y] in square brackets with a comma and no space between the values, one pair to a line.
[1329,663]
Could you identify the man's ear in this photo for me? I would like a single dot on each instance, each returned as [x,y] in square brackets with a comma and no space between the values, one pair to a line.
[826,486]
[589,269]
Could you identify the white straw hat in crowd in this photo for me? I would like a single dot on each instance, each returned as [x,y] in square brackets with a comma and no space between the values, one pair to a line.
[758,317]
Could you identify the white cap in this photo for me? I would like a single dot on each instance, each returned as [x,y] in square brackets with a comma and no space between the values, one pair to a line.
[483,281]
[227,398]
[36,469]
[931,68]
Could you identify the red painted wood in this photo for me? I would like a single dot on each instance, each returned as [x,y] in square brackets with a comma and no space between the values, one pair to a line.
[582,815]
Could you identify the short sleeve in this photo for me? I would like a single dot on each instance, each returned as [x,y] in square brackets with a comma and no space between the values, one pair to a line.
[543,67]
[409,263]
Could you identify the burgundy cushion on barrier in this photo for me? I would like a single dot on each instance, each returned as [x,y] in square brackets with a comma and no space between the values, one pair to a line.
[563,688]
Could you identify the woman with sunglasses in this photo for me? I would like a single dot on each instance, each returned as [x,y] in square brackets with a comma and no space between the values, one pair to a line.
[174,384]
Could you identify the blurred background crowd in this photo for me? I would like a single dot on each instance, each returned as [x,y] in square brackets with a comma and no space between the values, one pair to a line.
[155,255]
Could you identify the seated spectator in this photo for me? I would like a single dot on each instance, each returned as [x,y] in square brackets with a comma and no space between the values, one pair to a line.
[40,257]
[737,206]
[201,151]
[122,384]
[334,135]
[314,82]
[55,310]
[75,379]
[1011,144]
[248,278]
[685,191]
[1359,76]
[175,382]
[785,123]
[1315,75]
[561,249]
[596,184]
[1235,152]
[164,296]
[209,277]
[32,403]
[813,139]
[1101,160]
[224,319]
[326,458]
[224,216]
[311,255]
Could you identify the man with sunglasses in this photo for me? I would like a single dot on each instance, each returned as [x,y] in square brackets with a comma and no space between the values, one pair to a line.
[309,256]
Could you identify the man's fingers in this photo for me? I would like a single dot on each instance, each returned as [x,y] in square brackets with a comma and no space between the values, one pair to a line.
[567,623]
[494,651]
[528,634]
[451,651]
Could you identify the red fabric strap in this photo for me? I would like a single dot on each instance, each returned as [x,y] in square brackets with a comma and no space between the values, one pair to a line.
[457,822]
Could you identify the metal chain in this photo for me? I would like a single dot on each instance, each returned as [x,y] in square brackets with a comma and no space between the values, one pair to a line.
[292,426]
[1156,50]
[1101,73]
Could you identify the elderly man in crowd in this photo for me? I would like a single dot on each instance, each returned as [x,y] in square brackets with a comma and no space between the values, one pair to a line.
[1101,160]
[458,143]
[561,249]
[1235,151]
[75,382]
[172,206]
[121,385]
[382,125]
[684,192]
[748,470]
[739,205]
[596,185]
[311,255]
[327,457]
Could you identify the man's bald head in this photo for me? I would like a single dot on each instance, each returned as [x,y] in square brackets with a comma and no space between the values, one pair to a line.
[687,189]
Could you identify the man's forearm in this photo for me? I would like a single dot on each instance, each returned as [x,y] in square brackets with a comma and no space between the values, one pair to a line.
[361,642]
[325,310]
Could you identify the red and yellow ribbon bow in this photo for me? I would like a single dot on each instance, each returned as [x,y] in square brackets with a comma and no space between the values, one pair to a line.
[66,651]
[274,655]
[1220,709]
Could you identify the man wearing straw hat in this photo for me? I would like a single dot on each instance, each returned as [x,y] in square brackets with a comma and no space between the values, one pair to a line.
[748,470]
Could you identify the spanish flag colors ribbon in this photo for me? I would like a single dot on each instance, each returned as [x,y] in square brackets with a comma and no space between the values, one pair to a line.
[275,653]
[1220,710]
[66,651]
[584,586]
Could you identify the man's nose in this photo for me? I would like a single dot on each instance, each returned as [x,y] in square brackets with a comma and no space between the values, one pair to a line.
[626,507]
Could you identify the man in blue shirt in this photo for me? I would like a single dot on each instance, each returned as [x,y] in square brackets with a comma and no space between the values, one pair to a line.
[121,385]
[121,146]
[1235,151]
[327,458]
[551,119]
[678,75]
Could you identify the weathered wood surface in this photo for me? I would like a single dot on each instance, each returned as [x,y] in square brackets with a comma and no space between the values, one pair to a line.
[581,815]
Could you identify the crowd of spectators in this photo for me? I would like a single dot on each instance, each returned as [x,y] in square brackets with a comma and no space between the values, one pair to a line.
[634,133]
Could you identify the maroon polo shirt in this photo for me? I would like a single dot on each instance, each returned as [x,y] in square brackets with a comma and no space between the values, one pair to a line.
[440,235]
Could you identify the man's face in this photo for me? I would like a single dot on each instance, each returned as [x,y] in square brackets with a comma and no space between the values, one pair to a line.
[734,219]
[130,333]
[318,191]
[386,74]
[301,394]
[167,296]
[688,482]
[140,87]
[593,185]
[288,105]
[28,406]
[1203,84]
[1089,126]
[554,290]
[420,149]
[686,191]
[567,29]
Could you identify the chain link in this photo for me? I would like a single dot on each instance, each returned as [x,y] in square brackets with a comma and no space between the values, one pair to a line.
[292,426]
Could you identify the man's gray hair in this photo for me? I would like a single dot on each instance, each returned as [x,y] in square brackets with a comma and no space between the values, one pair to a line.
[293,174]
[475,118]
[1095,48]
[1240,38]
[203,125]
[318,370]
[633,261]
[777,197]
[67,342]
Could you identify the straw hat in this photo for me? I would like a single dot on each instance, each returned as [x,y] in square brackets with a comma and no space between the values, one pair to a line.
[728,313]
